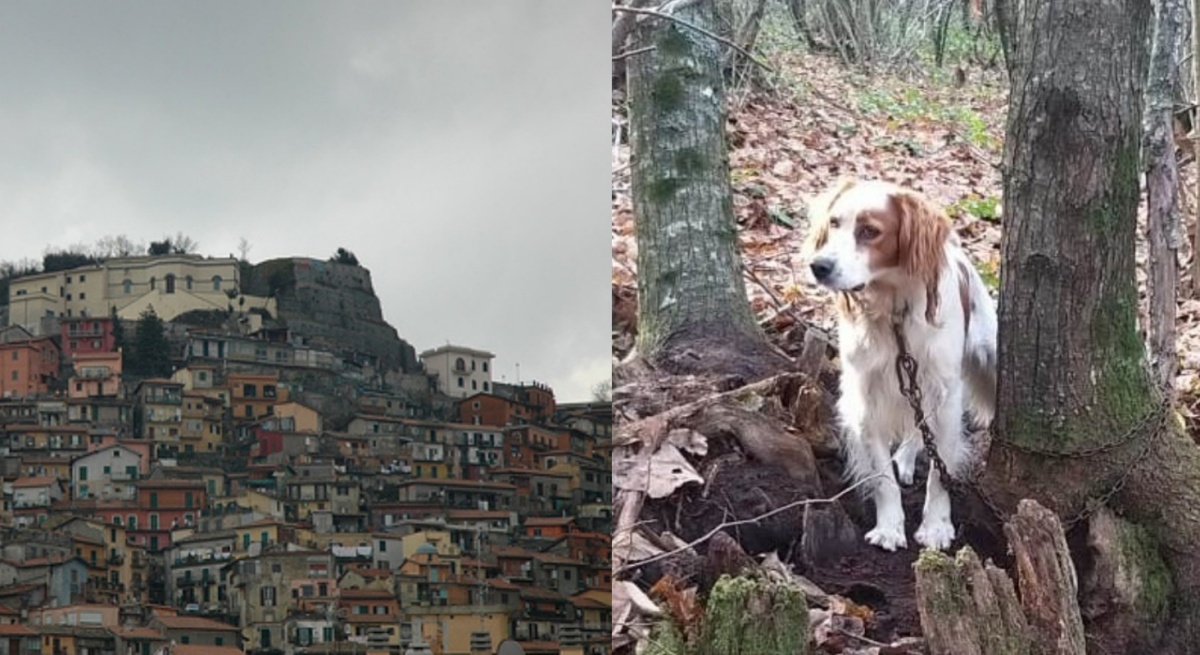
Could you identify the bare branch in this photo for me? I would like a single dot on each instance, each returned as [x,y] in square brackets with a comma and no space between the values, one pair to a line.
[701,30]
[755,519]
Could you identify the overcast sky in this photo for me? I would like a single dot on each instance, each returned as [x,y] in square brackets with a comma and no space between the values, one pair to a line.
[456,148]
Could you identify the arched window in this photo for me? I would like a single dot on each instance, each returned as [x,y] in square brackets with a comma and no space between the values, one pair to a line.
[128,286]
[170,283]
[152,285]
[216,283]
[188,282]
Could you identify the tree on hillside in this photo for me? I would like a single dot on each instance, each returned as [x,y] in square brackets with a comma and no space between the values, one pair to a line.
[343,256]
[693,313]
[117,246]
[1073,369]
[180,244]
[64,260]
[152,352]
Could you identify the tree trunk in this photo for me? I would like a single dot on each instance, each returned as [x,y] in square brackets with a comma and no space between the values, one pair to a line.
[1072,370]
[693,314]
[1196,143]
[1162,186]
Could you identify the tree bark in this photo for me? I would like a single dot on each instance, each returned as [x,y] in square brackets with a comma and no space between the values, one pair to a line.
[1047,580]
[1196,143]
[1072,370]
[1162,187]
[693,313]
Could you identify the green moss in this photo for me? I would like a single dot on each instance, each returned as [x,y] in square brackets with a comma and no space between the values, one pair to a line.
[689,162]
[668,92]
[748,615]
[1118,205]
[673,43]
[666,639]
[1141,558]
[1122,388]
[663,189]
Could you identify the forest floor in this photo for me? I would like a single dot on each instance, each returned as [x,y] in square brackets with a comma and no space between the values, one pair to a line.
[819,121]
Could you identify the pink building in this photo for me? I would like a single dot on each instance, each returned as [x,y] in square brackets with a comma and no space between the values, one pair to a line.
[85,334]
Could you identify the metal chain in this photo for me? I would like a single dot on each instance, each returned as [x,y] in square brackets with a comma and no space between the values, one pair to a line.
[1150,425]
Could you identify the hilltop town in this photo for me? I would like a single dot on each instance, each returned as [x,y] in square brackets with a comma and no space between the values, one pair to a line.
[203,455]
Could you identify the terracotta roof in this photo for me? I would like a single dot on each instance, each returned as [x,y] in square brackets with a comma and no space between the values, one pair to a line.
[539,521]
[555,558]
[39,481]
[501,583]
[539,646]
[5,610]
[170,484]
[477,514]
[366,593]
[197,649]
[140,632]
[194,623]
[541,593]
[514,552]
[589,602]
[15,630]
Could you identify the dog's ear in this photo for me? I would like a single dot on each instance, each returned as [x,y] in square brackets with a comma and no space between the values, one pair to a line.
[924,229]
[818,214]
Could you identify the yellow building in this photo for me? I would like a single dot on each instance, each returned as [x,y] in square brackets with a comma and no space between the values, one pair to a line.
[302,418]
[168,284]
[262,532]
[447,629]
[201,430]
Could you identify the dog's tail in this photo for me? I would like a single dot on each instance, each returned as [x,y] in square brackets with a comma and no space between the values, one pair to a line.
[980,358]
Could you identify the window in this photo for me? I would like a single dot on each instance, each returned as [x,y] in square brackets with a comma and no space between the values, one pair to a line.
[184,639]
[382,546]
[16,354]
[153,500]
[170,283]
[83,278]
[216,283]
[249,411]
[82,472]
[187,500]
[460,383]
[187,282]
[154,521]
[268,596]
[474,385]
[68,279]
[246,541]
[133,522]
[14,376]
[485,385]
[472,365]
[128,286]
[82,295]
[203,375]
[107,470]
[152,284]
[475,405]
[250,391]
[380,609]
[218,641]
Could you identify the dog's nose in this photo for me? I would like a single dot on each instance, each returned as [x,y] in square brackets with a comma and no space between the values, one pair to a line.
[821,269]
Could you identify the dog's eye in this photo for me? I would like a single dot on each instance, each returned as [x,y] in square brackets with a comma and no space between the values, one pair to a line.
[866,233]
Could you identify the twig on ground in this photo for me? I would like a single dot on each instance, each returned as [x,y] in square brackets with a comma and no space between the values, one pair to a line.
[862,638]
[755,519]
[652,12]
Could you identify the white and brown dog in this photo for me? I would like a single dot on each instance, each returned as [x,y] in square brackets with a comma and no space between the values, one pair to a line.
[890,254]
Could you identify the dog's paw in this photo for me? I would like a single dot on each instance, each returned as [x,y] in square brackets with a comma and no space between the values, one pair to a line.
[937,534]
[887,538]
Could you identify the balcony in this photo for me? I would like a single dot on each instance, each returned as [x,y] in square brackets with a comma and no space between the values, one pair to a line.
[116,559]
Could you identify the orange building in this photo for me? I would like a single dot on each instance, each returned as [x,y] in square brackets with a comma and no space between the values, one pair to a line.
[496,411]
[97,375]
[27,367]
[254,396]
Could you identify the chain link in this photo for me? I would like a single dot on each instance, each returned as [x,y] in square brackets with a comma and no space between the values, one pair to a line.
[1150,425]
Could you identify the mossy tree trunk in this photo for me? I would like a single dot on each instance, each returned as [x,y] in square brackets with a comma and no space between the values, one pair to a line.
[693,313]
[1073,370]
